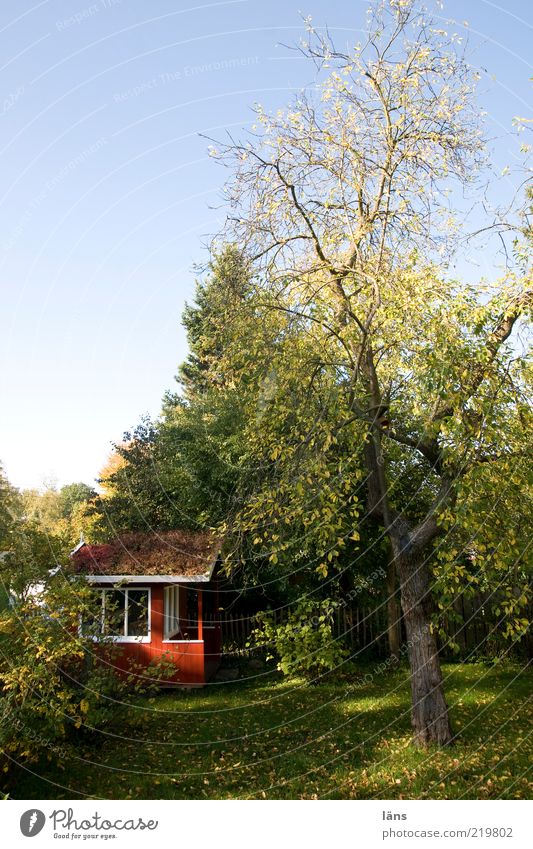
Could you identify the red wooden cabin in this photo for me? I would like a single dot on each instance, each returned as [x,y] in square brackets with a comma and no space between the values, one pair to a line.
[163,593]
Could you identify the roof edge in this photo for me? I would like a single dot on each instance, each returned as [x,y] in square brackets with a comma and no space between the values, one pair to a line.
[147,579]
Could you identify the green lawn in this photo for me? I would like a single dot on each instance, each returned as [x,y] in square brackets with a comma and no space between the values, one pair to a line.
[270,738]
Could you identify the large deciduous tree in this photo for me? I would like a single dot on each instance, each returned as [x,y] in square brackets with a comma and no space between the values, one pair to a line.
[342,205]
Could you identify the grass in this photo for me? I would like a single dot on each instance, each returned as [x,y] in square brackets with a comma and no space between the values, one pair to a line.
[278,739]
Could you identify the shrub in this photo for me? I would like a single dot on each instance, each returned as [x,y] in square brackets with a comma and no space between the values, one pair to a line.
[106,686]
[305,643]
[53,680]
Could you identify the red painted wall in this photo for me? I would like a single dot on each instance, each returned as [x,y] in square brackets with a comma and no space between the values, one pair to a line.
[195,661]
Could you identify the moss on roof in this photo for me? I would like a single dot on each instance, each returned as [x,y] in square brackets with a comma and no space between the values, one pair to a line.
[177,553]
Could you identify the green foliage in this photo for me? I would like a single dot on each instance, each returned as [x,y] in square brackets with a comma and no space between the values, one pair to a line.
[54,682]
[304,644]
[10,509]
[39,702]
[63,514]
[28,549]
[72,495]
[107,689]
[225,289]
[142,495]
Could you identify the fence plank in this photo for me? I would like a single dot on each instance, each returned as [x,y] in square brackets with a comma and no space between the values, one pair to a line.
[366,627]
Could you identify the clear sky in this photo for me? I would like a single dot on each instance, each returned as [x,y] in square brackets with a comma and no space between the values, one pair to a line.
[107,196]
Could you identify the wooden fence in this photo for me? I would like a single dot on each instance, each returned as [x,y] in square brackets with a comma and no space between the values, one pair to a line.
[361,626]
[471,625]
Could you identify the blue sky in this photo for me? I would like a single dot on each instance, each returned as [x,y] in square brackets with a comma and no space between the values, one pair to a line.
[108,196]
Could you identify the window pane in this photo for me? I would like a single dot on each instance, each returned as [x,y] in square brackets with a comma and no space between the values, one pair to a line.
[192,614]
[137,613]
[114,608]
[91,622]
[172,614]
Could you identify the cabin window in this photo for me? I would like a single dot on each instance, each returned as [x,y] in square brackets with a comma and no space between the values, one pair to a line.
[191,626]
[113,613]
[137,613]
[119,614]
[172,612]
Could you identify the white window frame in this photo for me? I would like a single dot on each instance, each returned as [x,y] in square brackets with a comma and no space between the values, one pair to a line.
[109,638]
[166,639]
[171,599]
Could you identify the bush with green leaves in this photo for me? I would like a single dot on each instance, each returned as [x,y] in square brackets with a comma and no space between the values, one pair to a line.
[108,685]
[55,683]
[304,644]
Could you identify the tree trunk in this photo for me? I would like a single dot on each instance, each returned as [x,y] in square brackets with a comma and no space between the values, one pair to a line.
[393,611]
[429,713]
